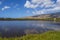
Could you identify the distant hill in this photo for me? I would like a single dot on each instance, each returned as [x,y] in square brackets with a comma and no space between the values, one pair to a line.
[51,15]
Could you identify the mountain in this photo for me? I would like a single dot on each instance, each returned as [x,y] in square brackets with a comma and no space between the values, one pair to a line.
[50,15]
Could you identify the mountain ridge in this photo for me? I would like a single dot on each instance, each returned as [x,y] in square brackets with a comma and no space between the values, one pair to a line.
[50,15]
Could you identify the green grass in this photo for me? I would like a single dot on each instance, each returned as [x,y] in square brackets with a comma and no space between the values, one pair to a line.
[50,35]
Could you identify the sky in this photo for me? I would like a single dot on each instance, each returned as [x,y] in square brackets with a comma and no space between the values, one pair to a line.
[24,8]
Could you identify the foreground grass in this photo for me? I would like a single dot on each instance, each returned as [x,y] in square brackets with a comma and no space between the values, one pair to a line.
[51,35]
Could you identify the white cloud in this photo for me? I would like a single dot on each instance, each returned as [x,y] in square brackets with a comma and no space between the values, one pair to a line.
[58,0]
[58,3]
[5,7]
[56,9]
[29,5]
[46,5]
[37,3]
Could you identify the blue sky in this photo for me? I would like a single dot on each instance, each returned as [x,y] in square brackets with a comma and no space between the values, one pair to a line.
[23,8]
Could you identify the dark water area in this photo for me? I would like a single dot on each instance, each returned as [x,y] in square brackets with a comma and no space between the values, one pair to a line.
[20,28]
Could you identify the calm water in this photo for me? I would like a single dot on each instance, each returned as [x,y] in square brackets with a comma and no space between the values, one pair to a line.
[19,28]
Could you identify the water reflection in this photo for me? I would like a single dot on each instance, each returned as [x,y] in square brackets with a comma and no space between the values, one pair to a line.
[19,28]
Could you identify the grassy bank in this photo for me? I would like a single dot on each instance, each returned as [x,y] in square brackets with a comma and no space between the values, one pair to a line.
[51,35]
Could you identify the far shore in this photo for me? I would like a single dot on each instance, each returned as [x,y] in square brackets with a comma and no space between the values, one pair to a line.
[36,19]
